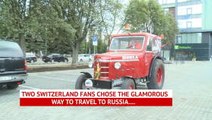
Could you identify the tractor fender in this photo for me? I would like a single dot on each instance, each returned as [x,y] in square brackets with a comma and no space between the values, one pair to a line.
[152,64]
[88,75]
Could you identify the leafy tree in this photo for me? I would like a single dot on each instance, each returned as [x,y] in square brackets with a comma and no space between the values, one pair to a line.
[110,12]
[170,29]
[82,16]
[57,26]
[148,16]
[102,47]
[77,17]
[14,16]
[137,15]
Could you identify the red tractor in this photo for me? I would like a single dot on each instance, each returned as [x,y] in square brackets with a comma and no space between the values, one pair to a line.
[131,60]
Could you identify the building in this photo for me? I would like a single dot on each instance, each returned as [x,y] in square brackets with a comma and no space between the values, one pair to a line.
[195,27]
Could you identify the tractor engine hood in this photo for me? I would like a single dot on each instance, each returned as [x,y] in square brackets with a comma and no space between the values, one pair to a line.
[117,57]
[113,65]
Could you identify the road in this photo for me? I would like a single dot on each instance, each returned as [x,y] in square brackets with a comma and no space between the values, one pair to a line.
[191,84]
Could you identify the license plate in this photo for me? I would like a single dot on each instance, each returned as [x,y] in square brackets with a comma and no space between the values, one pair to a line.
[5,78]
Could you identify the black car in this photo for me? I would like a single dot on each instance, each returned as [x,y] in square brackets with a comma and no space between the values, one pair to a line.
[13,70]
[54,58]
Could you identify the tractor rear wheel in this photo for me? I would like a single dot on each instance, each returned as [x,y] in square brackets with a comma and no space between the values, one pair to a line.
[156,79]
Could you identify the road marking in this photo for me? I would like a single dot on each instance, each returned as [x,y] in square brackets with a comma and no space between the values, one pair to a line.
[54,78]
[25,86]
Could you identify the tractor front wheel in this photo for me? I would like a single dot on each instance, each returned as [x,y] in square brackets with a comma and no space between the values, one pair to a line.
[128,84]
[80,83]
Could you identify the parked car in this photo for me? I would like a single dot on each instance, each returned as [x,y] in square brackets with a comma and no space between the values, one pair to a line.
[55,57]
[13,70]
[84,58]
[30,57]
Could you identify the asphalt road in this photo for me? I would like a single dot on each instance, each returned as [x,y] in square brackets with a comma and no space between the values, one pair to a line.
[191,84]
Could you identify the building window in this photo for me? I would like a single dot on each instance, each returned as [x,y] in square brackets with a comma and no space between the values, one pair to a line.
[166,10]
[189,11]
[188,24]
[199,38]
[179,1]
[189,38]
[166,1]
[178,39]
[184,38]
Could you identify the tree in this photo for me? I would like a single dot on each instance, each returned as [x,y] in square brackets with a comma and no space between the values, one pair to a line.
[57,25]
[137,15]
[110,12]
[19,22]
[148,16]
[78,15]
[15,16]
[170,29]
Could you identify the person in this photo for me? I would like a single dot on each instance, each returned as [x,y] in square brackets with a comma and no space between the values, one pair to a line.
[138,44]
[135,44]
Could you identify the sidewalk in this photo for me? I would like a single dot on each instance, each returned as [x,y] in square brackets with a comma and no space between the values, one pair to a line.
[55,67]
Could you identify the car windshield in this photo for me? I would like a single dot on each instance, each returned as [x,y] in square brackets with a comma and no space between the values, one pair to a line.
[126,43]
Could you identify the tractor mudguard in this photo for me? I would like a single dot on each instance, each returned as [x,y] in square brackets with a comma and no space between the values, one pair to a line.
[88,75]
[152,64]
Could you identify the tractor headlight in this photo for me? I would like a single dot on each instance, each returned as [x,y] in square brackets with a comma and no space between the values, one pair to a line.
[117,65]
[88,83]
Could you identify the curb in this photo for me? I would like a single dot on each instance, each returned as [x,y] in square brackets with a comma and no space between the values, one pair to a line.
[32,69]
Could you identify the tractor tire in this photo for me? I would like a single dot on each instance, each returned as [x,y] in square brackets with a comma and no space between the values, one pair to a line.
[80,83]
[128,84]
[156,79]
[12,85]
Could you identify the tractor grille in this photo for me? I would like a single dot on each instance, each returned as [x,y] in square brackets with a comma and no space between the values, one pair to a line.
[104,72]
